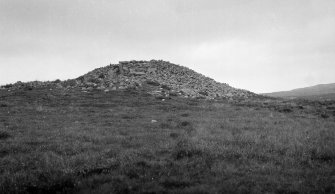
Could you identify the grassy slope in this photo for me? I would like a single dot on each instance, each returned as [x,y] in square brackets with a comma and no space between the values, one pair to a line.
[321,97]
[317,92]
[56,141]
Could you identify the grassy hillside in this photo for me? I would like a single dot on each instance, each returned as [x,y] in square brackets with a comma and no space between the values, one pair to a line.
[318,92]
[330,96]
[130,142]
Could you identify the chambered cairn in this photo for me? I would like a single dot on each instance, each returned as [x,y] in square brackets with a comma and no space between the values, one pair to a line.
[160,78]
[157,77]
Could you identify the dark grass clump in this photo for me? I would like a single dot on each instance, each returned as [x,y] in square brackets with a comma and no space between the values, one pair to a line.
[160,97]
[175,183]
[3,105]
[153,83]
[185,115]
[174,135]
[184,124]
[165,87]
[285,110]
[4,135]
[186,149]
[324,116]
[166,125]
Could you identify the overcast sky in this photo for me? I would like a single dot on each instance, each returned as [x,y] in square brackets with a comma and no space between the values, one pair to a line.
[259,45]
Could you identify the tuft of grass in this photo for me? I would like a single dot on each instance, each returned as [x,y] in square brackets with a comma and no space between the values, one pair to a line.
[3,105]
[325,116]
[174,135]
[154,83]
[185,115]
[166,87]
[165,125]
[175,182]
[184,124]
[4,135]
[186,148]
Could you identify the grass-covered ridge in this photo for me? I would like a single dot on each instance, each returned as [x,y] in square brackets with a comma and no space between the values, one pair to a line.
[72,141]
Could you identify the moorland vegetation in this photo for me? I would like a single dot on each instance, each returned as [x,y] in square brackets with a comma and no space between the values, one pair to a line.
[102,133]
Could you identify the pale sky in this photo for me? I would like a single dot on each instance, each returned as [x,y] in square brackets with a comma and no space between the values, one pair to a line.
[258,45]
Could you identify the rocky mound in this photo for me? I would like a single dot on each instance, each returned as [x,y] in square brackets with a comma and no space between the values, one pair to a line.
[158,77]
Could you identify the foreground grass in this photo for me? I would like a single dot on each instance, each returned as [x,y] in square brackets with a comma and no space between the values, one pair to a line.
[62,141]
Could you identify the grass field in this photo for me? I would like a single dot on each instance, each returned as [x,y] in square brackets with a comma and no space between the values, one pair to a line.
[74,142]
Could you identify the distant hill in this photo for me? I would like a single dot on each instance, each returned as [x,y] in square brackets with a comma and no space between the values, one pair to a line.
[321,91]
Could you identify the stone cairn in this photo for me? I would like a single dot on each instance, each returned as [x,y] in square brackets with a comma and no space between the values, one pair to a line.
[157,77]
[162,78]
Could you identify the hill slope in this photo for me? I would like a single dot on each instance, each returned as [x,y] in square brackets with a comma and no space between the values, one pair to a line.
[321,91]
